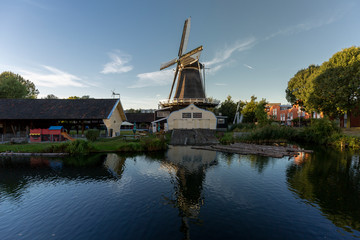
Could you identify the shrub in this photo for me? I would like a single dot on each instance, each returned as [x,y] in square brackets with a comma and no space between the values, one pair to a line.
[242,126]
[74,147]
[154,144]
[92,134]
[227,138]
[272,133]
[342,141]
[320,131]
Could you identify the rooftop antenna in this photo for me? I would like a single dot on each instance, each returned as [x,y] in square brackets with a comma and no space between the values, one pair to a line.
[113,94]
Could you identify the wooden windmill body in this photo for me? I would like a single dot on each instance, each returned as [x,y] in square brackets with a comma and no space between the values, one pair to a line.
[190,86]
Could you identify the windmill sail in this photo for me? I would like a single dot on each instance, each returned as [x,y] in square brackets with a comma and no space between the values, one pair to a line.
[168,64]
[191,57]
[184,37]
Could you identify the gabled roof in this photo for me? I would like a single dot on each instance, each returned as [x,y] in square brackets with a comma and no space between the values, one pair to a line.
[58,109]
[140,117]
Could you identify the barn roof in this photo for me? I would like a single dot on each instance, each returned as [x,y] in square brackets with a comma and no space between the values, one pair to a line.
[59,109]
[140,117]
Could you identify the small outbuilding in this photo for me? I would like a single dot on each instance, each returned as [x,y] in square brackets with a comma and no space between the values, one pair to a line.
[192,117]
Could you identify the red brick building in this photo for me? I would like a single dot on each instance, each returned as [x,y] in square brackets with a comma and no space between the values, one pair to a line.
[286,113]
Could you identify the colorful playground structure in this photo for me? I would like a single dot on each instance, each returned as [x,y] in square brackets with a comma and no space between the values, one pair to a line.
[52,134]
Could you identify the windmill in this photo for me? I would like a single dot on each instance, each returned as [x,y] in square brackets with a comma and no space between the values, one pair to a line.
[189,88]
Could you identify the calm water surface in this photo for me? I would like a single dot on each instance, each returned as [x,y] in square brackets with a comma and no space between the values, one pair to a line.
[181,194]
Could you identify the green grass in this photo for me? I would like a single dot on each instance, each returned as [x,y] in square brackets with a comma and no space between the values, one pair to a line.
[29,147]
[116,144]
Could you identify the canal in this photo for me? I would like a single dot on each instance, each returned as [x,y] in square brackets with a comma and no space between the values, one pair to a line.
[181,194]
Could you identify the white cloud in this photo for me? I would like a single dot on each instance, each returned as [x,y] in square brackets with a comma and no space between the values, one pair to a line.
[53,77]
[158,78]
[249,67]
[139,102]
[220,84]
[302,27]
[225,54]
[118,63]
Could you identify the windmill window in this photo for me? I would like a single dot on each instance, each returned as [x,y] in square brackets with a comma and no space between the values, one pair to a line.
[197,115]
[186,115]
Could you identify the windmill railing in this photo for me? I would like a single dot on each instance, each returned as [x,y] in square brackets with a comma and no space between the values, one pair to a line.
[189,101]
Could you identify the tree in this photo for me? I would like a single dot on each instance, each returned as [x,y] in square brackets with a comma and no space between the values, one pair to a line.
[337,85]
[260,113]
[51,96]
[248,111]
[228,108]
[73,97]
[14,86]
[131,110]
[83,97]
[300,87]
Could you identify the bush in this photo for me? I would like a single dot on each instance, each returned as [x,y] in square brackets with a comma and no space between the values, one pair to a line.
[342,141]
[154,144]
[227,138]
[320,131]
[74,147]
[242,126]
[92,134]
[272,133]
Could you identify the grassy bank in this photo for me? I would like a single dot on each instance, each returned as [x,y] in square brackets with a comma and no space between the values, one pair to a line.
[145,144]
[319,132]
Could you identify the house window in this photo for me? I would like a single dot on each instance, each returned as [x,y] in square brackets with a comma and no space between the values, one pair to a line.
[275,112]
[282,117]
[197,115]
[186,115]
[221,121]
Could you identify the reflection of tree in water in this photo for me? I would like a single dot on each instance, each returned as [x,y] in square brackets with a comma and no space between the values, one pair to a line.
[259,162]
[189,166]
[330,180]
[17,173]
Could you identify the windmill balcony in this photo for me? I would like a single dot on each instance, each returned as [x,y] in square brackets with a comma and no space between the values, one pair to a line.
[187,101]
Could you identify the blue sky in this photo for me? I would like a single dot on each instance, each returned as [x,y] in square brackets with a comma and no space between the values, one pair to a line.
[91,47]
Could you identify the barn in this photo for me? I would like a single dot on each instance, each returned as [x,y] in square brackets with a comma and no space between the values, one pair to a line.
[18,116]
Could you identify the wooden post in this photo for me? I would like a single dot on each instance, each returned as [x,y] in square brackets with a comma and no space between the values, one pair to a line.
[82,127]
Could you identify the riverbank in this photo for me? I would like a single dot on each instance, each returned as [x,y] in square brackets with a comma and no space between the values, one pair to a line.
[321,132]
[117,144]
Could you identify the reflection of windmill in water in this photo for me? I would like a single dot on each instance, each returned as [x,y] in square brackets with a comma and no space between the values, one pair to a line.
[190,76]
[189,166]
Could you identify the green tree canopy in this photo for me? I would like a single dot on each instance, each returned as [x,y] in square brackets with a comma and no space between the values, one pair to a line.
[260,113]
[51,96]
[83,97]
[336,88]
[14,86]
[300,87]
[228,108]
[248,111]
